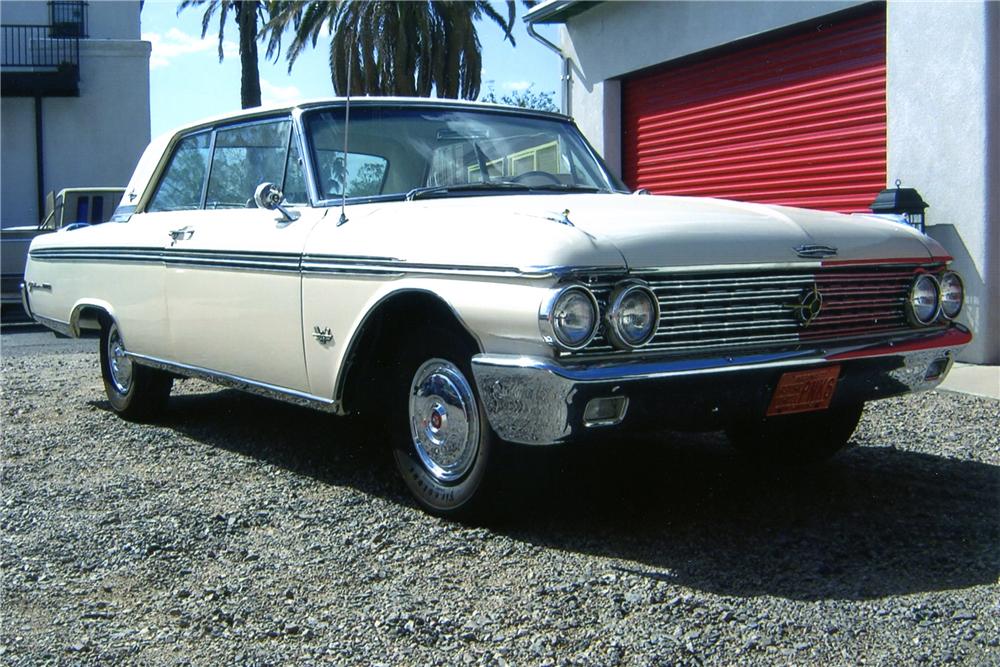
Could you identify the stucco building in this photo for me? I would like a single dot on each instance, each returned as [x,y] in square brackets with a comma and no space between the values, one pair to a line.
[75,100]
[815,104]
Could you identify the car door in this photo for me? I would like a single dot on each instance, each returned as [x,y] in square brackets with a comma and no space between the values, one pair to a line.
[232,283]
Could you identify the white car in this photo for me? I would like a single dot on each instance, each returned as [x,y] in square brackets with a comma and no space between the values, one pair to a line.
[475,278]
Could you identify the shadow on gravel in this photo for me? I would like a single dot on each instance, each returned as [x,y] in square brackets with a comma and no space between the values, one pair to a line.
[683,508]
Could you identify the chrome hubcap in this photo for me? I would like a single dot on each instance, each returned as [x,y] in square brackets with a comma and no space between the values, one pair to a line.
[444,421]
[119,363]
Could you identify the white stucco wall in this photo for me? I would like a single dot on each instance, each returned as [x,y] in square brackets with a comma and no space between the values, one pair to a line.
[106,19]
[942,133]
[91,140]
[97,138]
[616,38]
[18,204]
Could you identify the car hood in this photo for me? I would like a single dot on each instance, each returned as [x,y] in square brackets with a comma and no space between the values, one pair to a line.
[634,232]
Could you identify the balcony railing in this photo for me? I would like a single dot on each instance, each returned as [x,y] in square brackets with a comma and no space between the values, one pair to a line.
[34,48]
[44,60]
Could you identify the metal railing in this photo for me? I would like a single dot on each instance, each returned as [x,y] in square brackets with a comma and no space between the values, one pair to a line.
[68,18]
[35,48]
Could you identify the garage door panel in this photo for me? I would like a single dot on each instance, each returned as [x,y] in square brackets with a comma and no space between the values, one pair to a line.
[778,130]
[774,108]
[775,123]
[673,99]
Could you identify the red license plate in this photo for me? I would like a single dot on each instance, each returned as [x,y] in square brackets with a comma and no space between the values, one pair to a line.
[804,391]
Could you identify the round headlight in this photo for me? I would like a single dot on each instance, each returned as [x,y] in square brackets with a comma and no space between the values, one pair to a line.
[952,295]
[632,316]
[923,302]
[570,318]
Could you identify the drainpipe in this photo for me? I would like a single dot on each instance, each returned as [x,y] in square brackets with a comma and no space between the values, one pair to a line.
[39,159]
[566,77]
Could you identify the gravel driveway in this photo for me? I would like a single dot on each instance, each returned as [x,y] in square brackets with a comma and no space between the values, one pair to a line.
[242,531]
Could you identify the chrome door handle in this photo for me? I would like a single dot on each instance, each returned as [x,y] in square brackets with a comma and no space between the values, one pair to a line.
[182,234]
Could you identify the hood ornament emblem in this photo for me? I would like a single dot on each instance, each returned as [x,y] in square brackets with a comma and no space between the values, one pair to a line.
[562,218]
[815,251]
[808,307]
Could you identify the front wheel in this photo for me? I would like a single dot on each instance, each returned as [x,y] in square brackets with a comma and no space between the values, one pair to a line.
[442,443]
[135,392]
[797,439]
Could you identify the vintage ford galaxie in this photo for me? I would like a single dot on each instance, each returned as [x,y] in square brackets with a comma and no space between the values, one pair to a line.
[477,279]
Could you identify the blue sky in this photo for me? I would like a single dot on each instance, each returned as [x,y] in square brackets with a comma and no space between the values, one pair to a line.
[187,82]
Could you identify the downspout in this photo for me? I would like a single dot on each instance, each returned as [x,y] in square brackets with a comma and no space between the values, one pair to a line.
[566,78]
[39,159]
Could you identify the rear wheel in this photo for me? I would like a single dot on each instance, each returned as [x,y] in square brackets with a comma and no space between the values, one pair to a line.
[797,439]
[135,392]
[442,442]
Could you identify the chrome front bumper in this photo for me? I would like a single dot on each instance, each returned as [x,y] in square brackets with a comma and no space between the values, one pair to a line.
[538,401]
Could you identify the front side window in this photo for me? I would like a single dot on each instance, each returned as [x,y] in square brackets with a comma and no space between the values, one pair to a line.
[294,187]
[244,157]
[240,158]
[393,151]
[181,184]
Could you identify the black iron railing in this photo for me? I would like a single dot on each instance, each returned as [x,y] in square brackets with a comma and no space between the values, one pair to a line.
[33,47]
[68,18]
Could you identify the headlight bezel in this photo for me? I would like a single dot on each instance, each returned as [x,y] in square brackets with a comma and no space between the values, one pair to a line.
[612,318]
[911,310]
[547,317]
[941,290]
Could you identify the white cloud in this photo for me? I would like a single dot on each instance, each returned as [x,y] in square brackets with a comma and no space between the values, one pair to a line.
[517,85]
[272,94]
[177,43]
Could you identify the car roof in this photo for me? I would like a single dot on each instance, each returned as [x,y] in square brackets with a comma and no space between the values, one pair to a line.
[109,188]
[421,102]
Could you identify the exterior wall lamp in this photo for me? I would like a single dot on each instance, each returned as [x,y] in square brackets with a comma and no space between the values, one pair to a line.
[901,204]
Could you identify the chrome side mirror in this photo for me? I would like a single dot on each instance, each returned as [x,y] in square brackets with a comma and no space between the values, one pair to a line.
[268,196]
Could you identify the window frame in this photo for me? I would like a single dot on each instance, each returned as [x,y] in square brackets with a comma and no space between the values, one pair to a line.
[294,134]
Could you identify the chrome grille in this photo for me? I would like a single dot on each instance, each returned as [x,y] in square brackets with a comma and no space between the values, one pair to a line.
[751,311]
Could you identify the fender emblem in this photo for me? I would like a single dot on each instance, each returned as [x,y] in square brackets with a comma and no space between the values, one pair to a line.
[323,335]
[815,251]
[808,307]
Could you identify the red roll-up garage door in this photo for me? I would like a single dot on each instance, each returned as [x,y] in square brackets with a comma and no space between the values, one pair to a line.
[798,120]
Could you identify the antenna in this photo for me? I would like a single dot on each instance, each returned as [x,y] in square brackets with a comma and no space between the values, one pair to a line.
[347,127]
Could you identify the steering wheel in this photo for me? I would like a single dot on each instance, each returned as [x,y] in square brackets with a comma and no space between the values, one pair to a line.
[536,178]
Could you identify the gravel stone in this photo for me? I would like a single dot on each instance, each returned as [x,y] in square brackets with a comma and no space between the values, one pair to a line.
[240,531]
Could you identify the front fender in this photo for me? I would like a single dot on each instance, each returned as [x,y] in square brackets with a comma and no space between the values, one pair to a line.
[501,316]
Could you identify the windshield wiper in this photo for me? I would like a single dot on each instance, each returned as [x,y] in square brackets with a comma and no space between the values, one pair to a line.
[569,187]
[432,190]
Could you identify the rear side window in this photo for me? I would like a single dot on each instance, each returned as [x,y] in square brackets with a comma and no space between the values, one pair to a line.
[181,184]
[82,204]
[245,157]
[97,212]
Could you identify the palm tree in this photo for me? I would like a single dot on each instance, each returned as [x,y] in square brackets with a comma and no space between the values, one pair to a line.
[247,15]
[392,47]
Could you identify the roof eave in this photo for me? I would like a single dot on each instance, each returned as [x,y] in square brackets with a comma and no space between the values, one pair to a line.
[557,11]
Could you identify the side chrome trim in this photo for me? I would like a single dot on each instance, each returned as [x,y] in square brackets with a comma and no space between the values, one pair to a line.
[58,326]
[316,265]
[391,266]
[243,384]
[24,300]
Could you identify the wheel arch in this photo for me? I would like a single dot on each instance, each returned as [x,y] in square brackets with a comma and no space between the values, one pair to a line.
[90,315]
[388,321]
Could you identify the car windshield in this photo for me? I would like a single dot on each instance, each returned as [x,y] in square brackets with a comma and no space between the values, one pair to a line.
[397,152]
